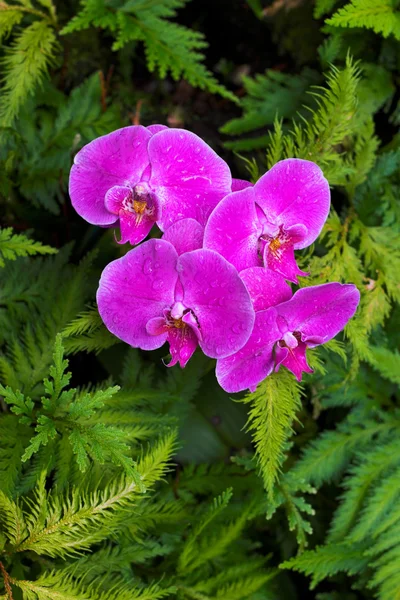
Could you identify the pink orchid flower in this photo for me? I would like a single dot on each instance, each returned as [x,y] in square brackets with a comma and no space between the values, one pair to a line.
[263,224]
[282,333]
[153,294]
[136,176]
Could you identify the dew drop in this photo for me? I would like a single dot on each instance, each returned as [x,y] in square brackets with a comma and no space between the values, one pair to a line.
[147,266]
[237,327]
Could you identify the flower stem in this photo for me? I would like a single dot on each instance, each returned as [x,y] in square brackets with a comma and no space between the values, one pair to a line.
[7,580]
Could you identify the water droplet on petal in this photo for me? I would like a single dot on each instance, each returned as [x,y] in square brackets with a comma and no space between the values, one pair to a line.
[147,266]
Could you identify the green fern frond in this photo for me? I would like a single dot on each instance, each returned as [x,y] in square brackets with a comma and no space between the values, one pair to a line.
[378,15]
[316,138]
[273,409]
[326,561]
[25,66]
[12,520]
[387,362]
[189,556]
[88,333]
[323,7]
[170,48]
[270,95]
[9,17]
[326,457]
[13,245]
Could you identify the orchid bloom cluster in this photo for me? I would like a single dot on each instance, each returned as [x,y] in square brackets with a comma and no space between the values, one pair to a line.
[218,276]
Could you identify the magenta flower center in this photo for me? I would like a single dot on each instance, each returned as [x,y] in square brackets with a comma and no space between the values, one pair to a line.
[274,242]
[139,201]
[290,340]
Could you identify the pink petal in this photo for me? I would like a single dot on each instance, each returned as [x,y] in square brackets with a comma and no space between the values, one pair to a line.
[185,235]
[233,230]
[157,326]
[265,287]
[255,361]
[115,198]
[134,230]
[282,261]
[320,312]
[240,184]
[219,301]
[116,159]
[294,359]
[137,288]
[182,344]
[189,177]
[156,128]
[295,192]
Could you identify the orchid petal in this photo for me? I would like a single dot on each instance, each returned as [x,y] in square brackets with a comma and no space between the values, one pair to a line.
[219,300]
[233,230]
[240,184]
[185,235]
[116,159]
[320,312]
[132,229]
[190,178]
[294,359]
[156,128]
[266,288]
[282,261]
[255,361]
[182,344]
[116,197]
[136,288]
[295,191]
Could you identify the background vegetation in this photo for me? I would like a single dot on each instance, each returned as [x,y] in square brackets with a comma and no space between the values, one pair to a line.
[120,479]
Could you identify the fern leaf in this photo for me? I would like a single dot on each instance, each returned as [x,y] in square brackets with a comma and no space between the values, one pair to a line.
[378,15]
[13,245]
[326,561]
[169,47]
[361,479]
[387,362]
[8,19]
[25,66]
[12,520]
[189,556]
[270,95]
[272,411]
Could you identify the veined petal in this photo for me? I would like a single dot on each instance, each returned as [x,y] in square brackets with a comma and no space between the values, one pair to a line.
[282,261]
[240,184]
[116,197]
[255,361]
[134,229]
[320,312]
[137,288]
[295,192]
[116,159]
[182,344]
[233,230]
[156,128]
[266,288]
[185,235]
[219,300]
[294,359]
[187,175]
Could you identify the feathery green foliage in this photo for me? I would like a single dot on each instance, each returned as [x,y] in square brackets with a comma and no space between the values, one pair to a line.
[13,245]
[379,15]
[273,408]
[29,57]
[120,479]
[270,95]
[169,47]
